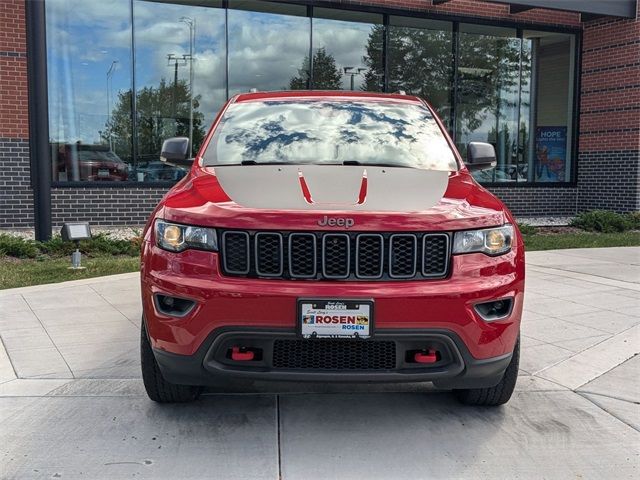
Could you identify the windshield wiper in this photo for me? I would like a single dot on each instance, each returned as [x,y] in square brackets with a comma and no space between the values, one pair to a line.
[253,162]
[374,164]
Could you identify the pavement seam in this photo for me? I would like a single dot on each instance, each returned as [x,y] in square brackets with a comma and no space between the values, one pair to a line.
[581,325]
[586,349]
[546,270]
[604,373]
[48,335]
[68,283]
[607,411]
[571,253]
[102,297]
[6,352]
[635,402]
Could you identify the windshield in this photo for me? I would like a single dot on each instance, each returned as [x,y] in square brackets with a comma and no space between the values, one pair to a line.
[330,132]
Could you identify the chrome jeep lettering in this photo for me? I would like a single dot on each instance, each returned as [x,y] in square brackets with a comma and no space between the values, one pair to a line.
[336,222]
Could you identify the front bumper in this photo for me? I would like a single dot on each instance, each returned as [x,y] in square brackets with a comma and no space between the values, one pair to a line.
[230,302]
[212,364]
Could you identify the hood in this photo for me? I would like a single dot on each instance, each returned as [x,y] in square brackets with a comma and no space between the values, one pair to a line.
[333,187]
[306,197]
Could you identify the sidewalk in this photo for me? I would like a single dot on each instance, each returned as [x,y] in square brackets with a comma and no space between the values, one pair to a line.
[72,404]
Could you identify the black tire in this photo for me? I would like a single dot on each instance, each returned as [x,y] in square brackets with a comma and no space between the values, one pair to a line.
[158,389]
[498,395]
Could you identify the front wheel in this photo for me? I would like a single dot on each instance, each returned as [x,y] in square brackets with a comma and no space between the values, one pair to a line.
[498,395]
[158,389]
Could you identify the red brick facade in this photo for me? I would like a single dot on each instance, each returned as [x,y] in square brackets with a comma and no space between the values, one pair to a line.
[610,86]
[13,70]
[609,124]
[475,9]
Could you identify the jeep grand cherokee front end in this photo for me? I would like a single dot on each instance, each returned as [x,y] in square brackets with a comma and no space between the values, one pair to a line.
[333,237]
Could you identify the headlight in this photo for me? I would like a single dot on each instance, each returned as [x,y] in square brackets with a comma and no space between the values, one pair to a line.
[492,241]
[176,238]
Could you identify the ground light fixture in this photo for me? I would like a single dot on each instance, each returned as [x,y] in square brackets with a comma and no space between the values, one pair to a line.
[74,232]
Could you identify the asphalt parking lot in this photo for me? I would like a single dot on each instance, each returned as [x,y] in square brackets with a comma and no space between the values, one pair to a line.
[72,404]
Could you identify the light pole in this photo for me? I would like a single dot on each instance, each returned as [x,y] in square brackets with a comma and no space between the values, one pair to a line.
[352,72]
[191,22]
[176,61]
[110,73]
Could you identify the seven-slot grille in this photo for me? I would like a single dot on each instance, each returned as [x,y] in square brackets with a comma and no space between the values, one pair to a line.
[335,256]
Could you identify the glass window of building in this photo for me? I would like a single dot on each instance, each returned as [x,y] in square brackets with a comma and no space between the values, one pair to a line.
[420,60]
[488,96]
[547,150]
[89,75]
[347,50]
[268,46]
[180,63]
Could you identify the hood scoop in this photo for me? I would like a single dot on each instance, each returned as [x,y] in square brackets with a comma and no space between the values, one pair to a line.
[332,187]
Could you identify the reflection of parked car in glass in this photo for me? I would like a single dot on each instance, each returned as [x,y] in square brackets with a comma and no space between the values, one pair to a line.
[509,173]
[159,171]
[79,162]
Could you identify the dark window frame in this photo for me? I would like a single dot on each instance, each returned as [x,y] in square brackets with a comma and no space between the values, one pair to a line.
[386,12]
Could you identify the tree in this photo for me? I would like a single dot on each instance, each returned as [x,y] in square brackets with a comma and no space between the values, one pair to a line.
[155,107]
[326,75]
[420,62]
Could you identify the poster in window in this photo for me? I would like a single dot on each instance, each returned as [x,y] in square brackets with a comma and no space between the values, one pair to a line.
[551,154]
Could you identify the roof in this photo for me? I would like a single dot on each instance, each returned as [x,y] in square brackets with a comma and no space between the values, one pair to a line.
[247,97]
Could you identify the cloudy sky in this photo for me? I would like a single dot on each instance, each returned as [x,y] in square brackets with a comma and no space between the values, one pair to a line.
[86,37]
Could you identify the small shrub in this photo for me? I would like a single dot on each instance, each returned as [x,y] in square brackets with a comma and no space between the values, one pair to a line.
[102,244]
[56,247]
[603,221]
[527,229]
[634,219]
[17,247]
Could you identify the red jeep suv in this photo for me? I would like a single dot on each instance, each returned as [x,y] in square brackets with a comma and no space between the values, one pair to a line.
[331,237]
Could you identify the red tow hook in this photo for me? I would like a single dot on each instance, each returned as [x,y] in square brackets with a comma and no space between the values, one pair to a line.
[426,356]
[238,356]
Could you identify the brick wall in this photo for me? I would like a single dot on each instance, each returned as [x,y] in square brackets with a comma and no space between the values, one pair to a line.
[475,8]
[104,206]
[538,201]
[16,198]
[609,142]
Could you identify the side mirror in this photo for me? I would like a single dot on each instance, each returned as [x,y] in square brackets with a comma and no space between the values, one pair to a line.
[480,156]
[175,151]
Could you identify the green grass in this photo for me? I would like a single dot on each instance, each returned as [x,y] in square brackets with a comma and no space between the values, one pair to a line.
[580,240]
[24,272]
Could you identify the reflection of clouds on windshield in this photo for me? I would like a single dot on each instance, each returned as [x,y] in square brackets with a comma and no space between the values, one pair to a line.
[331,132]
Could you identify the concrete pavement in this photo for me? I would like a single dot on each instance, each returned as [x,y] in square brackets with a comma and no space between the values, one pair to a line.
[72,404]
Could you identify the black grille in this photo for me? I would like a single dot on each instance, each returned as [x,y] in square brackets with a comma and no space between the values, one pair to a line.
[335,256]
[402,254]
[236,252]
[435,252]
[302,255]
[333,354]
[369,256]
[269,254]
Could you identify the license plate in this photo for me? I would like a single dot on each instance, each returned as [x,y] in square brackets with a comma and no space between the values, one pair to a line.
[335,318]
[103,172]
